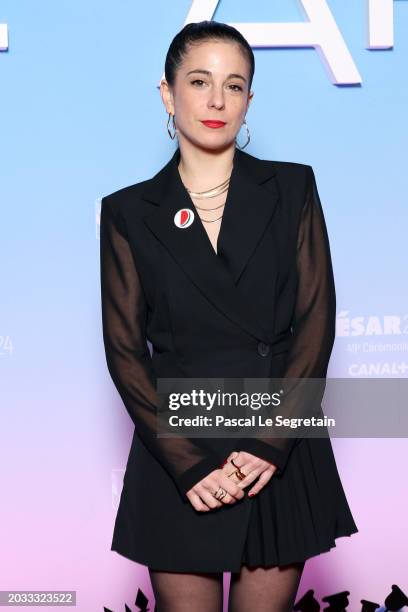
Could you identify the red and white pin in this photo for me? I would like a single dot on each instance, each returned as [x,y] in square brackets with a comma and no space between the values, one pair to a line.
[183,217]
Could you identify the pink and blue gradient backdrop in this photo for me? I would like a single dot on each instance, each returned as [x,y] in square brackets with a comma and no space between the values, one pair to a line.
[81,117]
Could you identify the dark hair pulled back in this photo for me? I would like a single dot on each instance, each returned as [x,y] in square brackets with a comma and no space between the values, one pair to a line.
[204,31]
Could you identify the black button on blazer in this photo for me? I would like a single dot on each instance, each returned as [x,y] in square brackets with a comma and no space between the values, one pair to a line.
[262,306]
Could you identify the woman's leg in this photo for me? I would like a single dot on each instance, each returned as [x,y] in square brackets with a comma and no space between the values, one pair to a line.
[179,592]
[271,589]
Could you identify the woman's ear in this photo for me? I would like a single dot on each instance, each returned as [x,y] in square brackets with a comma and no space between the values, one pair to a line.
[250,96]
[167,96]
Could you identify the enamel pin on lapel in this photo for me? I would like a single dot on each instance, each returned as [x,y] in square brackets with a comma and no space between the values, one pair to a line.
[184,217]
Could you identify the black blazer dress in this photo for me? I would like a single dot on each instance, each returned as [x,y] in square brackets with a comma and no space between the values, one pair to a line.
[262,306]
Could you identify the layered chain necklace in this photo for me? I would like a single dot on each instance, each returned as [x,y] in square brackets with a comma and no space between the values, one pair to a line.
[210,193]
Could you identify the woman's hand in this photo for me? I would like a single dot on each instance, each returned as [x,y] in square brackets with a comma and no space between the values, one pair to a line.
[201,496]
[253,467]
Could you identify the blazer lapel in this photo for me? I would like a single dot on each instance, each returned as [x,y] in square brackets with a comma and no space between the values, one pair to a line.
[248,209]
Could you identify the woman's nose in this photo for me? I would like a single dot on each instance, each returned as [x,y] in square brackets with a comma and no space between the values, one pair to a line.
[216,98]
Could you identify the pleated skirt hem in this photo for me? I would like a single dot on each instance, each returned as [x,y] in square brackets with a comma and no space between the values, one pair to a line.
[252,560]
[247,560]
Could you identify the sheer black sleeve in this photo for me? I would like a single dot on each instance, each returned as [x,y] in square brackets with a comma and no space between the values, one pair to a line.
[313,321]
[128,358]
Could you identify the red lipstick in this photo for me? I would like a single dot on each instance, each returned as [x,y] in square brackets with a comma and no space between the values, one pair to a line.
[212,123]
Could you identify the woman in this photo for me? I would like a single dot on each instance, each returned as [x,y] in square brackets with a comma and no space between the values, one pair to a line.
[222,262]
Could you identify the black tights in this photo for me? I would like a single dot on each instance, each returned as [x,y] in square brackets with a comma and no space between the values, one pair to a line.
[260,589]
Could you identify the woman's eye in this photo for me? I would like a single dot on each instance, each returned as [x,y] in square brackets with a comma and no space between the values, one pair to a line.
[238,87]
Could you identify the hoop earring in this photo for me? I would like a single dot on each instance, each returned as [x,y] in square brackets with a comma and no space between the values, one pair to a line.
[248,136]
[174,127]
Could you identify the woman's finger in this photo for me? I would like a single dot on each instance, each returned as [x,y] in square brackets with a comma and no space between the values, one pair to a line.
[207,496]
[264,478]
[227,491]
[197,502]
[248,468]
[249,478]
[214,491]
[234,492]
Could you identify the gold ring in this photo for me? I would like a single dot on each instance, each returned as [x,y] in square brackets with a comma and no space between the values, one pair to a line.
[239,473]
[222,493]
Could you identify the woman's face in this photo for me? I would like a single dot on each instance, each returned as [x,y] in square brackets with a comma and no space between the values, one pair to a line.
[220,93]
